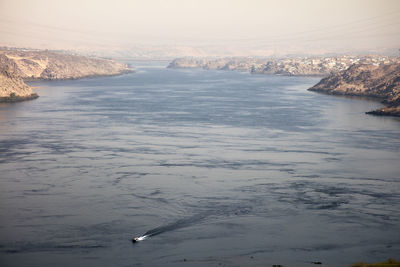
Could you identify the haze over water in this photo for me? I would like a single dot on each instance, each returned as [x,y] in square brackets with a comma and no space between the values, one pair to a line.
[176,28]
[227,168]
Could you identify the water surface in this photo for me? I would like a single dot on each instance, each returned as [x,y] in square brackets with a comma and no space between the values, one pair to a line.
[226,168]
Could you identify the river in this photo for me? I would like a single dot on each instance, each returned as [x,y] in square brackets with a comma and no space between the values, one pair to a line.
[220,168]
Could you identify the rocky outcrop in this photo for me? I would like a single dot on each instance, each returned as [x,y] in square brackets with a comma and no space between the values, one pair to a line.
[382,82]
[238,64]
[182,63]
[50,65]
[19,65]
[12,88]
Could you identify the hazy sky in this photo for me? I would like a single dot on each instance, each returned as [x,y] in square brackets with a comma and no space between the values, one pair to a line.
[252,23]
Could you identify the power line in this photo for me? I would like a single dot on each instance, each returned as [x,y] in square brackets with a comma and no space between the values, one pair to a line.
[343,31]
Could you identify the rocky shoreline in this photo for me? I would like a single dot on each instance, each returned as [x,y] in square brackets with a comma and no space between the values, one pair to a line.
[15,98]
[386,111]
[19,65]
[366,80]
[288,66]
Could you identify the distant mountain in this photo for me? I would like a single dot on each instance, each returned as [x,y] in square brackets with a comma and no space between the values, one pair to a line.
[369,80]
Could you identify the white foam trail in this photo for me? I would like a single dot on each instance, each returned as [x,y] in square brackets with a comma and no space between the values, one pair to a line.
[141,238]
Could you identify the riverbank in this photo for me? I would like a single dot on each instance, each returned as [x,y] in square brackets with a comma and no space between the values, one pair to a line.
[14,98]
[288,66]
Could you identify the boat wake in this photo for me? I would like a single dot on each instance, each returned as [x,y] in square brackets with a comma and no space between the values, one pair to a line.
[182,223]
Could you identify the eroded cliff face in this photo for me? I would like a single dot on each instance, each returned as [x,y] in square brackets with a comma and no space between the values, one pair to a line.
[369,80]
[19,65]
[55,65]
[12,88]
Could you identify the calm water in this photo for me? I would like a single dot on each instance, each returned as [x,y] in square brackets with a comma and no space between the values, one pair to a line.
[224,168]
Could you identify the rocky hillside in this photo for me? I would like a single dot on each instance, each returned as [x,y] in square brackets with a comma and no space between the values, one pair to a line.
[290,66]
[55,65]
[12,88]
[369,80]
[18,65]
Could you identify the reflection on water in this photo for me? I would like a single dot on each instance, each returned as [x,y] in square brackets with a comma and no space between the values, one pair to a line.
[225,168]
